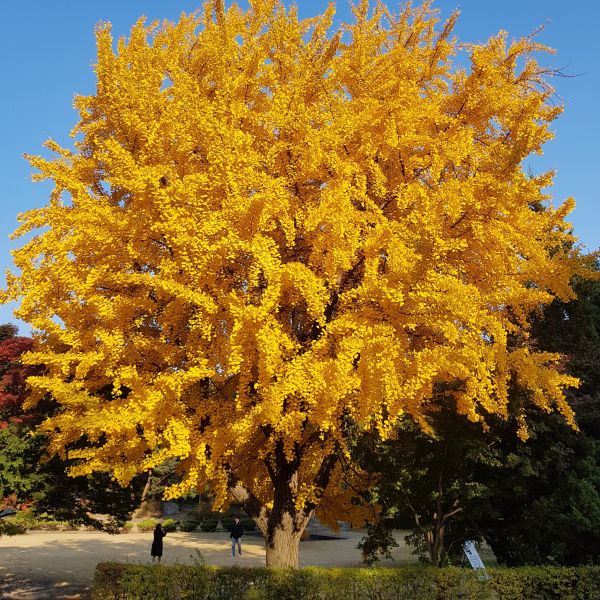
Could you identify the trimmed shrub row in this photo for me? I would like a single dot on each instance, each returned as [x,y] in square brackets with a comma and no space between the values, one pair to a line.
[209,520]
[147,525]
[117,581]
[199,515]
[25,519]
[188,525]
[170,525]
[248,524]
[209,525]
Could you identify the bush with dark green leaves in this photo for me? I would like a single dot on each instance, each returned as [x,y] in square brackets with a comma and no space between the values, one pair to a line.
[118,581]
[209,525]
[8,528]
[24,519]
[147,525]
[196,516]
[248,524]
[227,522]
[188,526]
[27,519]
[170,525]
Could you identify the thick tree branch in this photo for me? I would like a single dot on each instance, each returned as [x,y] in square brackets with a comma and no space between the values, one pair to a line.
[330,309]
[321,480]
[249,502]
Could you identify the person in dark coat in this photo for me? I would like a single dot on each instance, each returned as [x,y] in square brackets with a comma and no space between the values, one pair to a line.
[157,544]
[236,535]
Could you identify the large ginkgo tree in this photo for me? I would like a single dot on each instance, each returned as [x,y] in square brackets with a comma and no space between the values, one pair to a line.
[271,228]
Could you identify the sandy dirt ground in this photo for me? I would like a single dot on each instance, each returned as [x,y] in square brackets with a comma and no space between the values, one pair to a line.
[60,565]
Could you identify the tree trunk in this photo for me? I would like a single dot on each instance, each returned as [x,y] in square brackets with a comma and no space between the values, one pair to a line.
[285,524]
[147,486]
[282,544]
[282,526]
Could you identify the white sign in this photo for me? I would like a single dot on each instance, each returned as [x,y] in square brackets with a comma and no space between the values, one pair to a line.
[474,558]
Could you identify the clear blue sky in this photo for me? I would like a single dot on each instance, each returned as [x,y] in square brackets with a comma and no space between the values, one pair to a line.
[47,49]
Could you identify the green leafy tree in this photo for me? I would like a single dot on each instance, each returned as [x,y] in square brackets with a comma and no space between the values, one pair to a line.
[20,452]
[80,500]
[545,505]
[536,502]
[543,502]
[428,484]
[26,473]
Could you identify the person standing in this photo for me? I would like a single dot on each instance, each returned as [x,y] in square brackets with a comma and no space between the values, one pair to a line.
[157,544]
[236,535]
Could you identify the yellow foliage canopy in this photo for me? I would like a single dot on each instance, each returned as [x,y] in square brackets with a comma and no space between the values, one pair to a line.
[267,227]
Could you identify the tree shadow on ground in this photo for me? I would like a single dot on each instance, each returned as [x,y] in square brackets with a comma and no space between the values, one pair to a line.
[16,588]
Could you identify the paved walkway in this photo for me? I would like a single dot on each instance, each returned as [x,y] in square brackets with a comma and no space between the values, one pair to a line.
[60,565]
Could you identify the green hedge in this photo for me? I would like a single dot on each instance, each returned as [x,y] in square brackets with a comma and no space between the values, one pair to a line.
[117,581]
[248,524]
[170,525]
[127,527]
[8,528]
[147,525]
[196,516]
[207,525]
[26,519]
